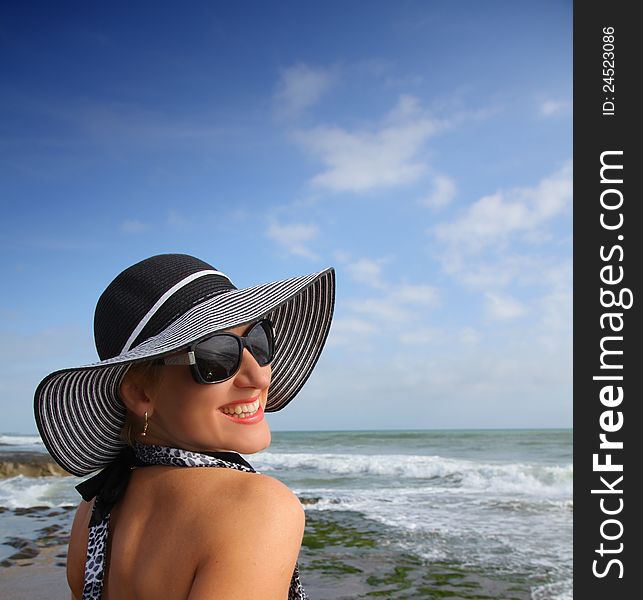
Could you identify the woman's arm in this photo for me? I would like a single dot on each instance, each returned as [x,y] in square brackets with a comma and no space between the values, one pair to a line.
[77,550]
[252,551]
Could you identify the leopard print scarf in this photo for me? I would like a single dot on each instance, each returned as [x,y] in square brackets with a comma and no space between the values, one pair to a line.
[109,485]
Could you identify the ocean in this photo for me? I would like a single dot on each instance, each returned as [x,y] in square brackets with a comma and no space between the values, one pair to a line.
[399,514]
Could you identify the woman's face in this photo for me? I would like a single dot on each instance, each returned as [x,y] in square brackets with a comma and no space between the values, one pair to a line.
[194,416]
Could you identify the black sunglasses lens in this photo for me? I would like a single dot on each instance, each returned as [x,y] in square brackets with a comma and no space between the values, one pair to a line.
[217,358]
[260,343]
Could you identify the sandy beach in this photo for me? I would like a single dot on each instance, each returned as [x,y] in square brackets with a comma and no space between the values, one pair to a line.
[39,578]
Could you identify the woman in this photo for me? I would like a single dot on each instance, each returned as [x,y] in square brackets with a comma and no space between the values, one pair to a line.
[189,364]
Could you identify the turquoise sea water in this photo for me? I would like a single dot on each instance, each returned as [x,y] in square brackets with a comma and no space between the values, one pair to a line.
[496,502]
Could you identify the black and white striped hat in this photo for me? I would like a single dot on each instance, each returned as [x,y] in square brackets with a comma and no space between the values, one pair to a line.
[158,306]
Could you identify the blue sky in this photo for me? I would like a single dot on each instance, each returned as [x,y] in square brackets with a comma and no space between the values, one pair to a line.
[422,148]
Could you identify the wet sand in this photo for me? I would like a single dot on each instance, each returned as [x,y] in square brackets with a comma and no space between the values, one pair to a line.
[41,577]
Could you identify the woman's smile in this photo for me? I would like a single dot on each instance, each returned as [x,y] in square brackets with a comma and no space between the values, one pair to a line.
[247,412]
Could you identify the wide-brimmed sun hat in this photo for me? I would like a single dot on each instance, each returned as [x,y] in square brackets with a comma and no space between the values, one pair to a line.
[156,307]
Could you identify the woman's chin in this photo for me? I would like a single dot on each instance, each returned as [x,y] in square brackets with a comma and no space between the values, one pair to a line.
[251,441]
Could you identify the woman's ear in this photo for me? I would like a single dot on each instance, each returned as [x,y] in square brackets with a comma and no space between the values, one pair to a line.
[135,394]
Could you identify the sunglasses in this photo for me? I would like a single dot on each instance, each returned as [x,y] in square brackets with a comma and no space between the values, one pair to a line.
[218,357]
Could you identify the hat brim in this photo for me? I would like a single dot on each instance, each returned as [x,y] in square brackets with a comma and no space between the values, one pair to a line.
[79,413]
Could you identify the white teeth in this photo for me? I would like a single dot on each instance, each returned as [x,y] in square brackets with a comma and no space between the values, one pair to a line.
[242,410]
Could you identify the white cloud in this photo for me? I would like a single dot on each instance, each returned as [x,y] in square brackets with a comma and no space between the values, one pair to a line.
[493,272]
[294,237]
[421,294]
[442,194]
[420,336]
[392,305]
[352,326]
[367,271]
[478,249]
[300,87]
[551,108]
[397,306]
[511,238]
[381,309]
[350,331]
[503,307]
[133,227]
[387,156]
[494,218]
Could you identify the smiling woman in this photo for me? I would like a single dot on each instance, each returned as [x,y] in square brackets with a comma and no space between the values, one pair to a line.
[189,364]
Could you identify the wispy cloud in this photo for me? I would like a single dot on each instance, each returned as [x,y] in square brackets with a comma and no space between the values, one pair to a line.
[443,192]
[419,336]
[494,218]
[552,108]
[294,237]
[508,246]
[300,87]
[133,227]
[385,156]
[350,331]
[493,270]
[367,271]
[503,307]
[390,306]
[396,306]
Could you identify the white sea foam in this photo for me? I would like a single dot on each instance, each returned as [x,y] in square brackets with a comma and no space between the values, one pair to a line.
[561,590]
[27,492]
[523,478]
[20,440]
[452,526]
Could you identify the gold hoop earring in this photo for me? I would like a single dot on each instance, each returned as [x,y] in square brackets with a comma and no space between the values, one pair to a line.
[144,432]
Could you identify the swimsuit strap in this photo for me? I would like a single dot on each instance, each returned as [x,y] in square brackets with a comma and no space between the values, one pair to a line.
[109,485]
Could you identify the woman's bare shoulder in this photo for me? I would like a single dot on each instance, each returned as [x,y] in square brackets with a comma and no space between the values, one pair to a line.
[258,533]
[225,486]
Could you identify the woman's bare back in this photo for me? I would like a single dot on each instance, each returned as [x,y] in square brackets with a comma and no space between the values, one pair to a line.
[195,534]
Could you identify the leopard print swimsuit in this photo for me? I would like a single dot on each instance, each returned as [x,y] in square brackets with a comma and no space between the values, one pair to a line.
[109,485]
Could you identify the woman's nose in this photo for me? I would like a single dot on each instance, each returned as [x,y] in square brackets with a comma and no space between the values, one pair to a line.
[251,374]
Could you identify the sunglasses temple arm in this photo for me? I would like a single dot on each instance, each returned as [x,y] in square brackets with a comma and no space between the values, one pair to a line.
[183,359]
